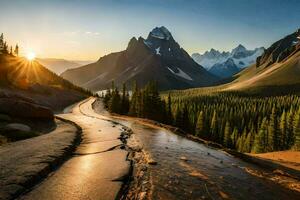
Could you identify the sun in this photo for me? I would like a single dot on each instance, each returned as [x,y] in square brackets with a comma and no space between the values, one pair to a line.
[30,56]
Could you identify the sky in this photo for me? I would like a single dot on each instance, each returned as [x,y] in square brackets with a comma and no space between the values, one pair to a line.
[89,29]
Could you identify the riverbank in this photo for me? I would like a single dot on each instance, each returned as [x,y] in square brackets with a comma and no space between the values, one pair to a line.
[271,171]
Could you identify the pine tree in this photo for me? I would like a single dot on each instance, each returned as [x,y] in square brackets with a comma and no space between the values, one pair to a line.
[16,51]
[11,51]
[213,127]
[200,125]
[124,100]
[234,136]
[241,141]
[114,104]
[227,135]
[260,142]
[134,100]
[106,98]
[273,140]
[185,119]
[247,144]
[282,128]
[1,43]
[178,118]
[290,134]
[169,110]
[5,48]
[296,130]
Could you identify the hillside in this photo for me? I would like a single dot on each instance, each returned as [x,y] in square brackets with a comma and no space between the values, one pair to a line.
[20,78]
[159,58]
[278,67]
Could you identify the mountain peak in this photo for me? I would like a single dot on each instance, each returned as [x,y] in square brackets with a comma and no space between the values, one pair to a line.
[132,42]
[239,48]
[161,33]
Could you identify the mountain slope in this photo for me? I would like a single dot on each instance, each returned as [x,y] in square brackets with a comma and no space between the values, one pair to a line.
[159,58]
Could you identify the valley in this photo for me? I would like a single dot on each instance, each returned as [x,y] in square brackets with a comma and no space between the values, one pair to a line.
[150,100]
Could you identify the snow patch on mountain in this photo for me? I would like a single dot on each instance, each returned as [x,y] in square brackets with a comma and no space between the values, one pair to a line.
[157,51]
[171,70]
[295,42]
[181,74]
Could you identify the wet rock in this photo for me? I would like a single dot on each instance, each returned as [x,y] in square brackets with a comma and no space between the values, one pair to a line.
[17,127]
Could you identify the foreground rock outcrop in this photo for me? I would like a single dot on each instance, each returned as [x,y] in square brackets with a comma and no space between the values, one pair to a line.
[23,109]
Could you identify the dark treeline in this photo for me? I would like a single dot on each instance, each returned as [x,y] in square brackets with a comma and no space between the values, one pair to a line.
[244,123]
[144,103]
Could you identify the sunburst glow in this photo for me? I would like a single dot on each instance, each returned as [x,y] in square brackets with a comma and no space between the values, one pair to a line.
[30,56]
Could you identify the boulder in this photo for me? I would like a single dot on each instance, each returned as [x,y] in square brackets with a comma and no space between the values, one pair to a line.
[16,131]
[23,109]
[17,127]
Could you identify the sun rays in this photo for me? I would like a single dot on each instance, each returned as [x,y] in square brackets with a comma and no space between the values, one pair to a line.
[25,73]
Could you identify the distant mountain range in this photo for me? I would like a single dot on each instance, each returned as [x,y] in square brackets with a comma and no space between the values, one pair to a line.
[225,64]
[159,58]
[60,65]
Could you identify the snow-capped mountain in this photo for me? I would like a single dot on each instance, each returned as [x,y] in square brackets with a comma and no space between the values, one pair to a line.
[159,58]
[240,55]
[225,69]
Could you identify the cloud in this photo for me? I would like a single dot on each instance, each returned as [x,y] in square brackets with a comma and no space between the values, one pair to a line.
[92,33]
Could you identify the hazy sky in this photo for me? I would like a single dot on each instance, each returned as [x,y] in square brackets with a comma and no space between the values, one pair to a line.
[88,29]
